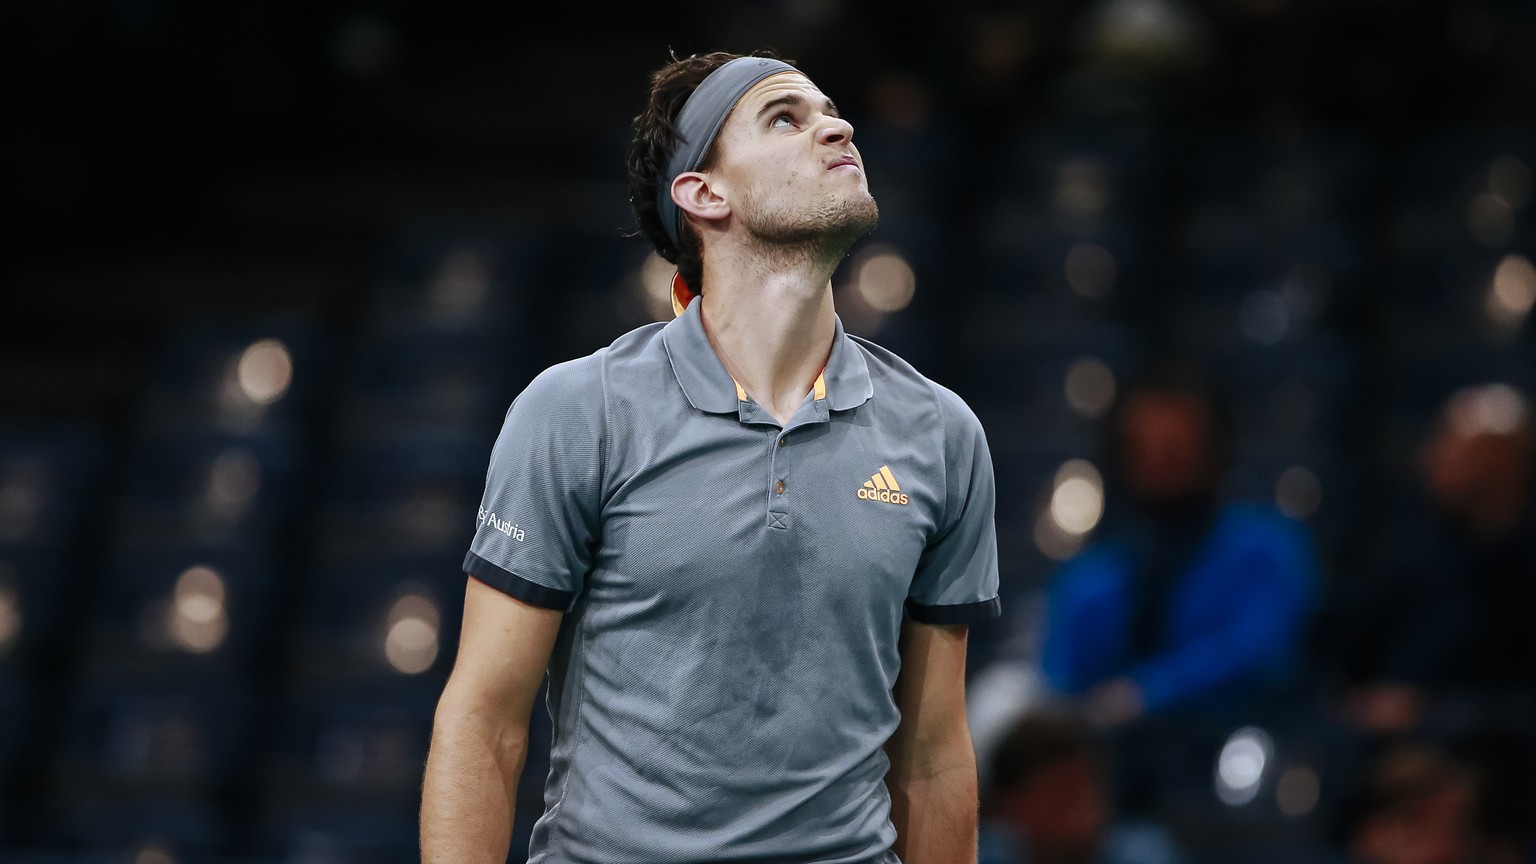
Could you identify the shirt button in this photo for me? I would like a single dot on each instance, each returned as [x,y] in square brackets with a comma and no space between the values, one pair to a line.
[779,487]
[784,440]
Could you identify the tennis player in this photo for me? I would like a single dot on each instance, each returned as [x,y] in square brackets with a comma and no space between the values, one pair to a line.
[744,545]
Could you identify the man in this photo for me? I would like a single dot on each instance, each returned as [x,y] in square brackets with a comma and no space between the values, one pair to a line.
[745,544]
[1188,602]
[1187,617]
[1434,624]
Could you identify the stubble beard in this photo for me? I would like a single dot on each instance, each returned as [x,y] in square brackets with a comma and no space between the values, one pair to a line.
[824,234]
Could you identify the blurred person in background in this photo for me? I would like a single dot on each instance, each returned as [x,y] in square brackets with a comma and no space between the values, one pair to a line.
[1415,806]
[724,535]
[1187,598]
[1188,614]
[1049,801]
[1418,803]
[1437,619]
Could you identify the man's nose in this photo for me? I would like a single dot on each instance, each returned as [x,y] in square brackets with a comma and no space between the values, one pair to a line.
[835,130]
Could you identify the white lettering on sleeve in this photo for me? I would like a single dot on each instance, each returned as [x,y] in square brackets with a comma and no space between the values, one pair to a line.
[490,518]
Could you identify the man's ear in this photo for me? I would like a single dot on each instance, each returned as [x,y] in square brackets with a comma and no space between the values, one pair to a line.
[692,193]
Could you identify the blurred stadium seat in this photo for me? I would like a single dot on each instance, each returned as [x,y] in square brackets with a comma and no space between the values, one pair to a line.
[404,490]
[171,610]
[147,762]
[46,469]
[340,779]
[209,486]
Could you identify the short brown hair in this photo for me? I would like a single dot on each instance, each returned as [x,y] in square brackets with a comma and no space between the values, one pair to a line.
[655,139]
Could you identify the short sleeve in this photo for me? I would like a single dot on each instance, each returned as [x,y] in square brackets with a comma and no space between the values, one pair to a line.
[539,517]
[956,580]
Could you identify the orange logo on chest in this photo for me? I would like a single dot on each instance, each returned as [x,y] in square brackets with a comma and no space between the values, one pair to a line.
[882,487]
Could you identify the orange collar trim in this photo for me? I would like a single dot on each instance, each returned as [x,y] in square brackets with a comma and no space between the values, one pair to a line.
[819,388]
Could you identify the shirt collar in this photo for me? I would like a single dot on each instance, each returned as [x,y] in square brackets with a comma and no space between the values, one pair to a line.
[710,388]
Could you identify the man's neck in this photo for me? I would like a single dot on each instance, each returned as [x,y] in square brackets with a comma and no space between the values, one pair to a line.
[772,328]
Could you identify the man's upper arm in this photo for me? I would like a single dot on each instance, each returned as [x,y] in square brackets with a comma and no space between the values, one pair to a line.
[930,692]
[504,648]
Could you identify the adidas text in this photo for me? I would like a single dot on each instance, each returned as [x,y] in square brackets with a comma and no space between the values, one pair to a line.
[882,495]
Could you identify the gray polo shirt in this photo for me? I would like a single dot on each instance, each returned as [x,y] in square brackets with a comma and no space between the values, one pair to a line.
[720,689]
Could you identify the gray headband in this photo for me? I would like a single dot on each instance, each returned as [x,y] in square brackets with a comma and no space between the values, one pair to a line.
[700,121]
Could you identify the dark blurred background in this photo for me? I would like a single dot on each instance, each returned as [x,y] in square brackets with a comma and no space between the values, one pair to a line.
[275,271]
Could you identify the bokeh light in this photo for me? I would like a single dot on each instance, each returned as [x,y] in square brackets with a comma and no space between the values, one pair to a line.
[1089,387]
[1489,409]
[1241,765]
[265,370]
[411,634]
[884,279]
[1512,292]
[1078,500]
[197,618]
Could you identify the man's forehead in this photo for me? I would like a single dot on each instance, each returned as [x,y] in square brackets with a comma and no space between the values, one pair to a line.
[777,85]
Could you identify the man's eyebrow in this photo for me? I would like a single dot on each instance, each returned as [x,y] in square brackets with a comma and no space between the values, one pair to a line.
[795,100]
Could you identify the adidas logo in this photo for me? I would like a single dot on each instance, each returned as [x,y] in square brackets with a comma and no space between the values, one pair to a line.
[882,487]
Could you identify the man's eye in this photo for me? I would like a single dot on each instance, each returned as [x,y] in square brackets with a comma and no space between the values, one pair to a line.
[782,119]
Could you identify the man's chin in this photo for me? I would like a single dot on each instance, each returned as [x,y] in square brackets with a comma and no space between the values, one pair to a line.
[836,227]
[856,219]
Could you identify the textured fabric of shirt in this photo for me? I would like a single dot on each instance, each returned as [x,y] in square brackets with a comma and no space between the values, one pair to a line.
[720,689]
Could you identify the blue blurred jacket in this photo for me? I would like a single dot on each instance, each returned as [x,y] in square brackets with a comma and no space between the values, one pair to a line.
[1236,612]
